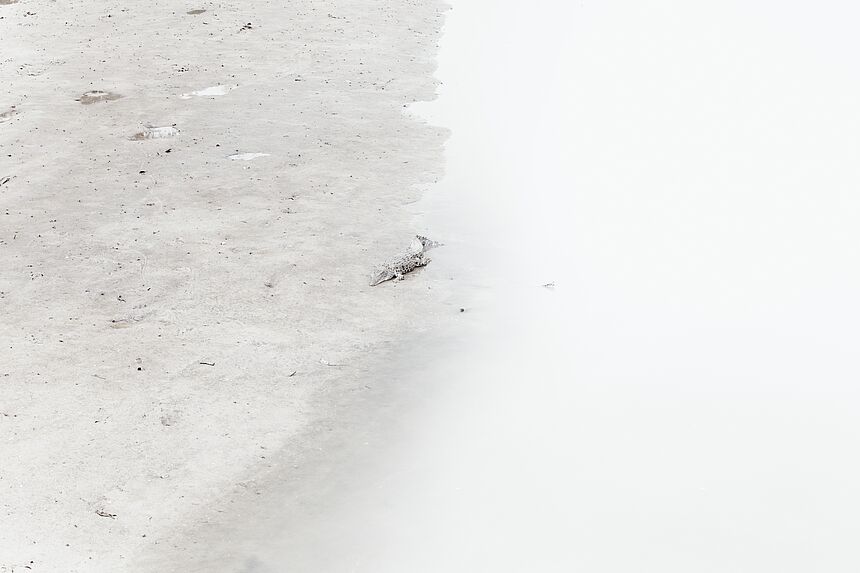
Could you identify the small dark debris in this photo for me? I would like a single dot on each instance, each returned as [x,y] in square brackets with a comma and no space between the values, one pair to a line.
[208,363]
[102,513]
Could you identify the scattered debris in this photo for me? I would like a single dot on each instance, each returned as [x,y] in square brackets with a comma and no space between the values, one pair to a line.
[412,259]
[102,513]
[246,27]
[154,132]
[96,96]
[213,91]
[246,156]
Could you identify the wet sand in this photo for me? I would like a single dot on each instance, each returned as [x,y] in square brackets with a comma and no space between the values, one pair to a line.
[196,196]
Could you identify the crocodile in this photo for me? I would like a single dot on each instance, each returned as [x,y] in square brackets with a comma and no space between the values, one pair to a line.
[414,257]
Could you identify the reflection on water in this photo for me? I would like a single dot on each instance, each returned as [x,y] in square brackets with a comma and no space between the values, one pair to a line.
[685,398]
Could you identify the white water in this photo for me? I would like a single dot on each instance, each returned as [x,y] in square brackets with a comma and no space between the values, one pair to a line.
[686,398]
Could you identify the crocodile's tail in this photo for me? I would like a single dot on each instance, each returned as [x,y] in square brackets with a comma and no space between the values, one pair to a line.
[381,275]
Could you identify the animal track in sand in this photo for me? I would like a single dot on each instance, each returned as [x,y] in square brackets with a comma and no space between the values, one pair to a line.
[153,132]
[246,156]
[96,96]
[213,91]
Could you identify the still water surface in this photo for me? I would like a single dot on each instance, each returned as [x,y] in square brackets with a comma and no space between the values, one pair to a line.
[685,398]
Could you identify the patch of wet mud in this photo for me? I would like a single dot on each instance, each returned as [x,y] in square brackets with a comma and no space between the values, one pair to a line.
[96,96]
[191,12]
[8,114]
[155,132]
[246,156]
[213,91]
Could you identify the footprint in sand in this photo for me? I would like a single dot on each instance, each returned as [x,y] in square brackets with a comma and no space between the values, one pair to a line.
[7,115]
[96,96]
[154,132]
[246,156]
[213,91]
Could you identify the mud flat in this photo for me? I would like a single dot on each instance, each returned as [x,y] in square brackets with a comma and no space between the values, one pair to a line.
[175,320]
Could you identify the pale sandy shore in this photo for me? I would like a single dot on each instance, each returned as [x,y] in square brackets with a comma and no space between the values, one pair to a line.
[174,319]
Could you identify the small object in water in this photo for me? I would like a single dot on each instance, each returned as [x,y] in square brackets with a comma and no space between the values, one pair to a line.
[95,96]
[154,132]
[246,156]
[412,259]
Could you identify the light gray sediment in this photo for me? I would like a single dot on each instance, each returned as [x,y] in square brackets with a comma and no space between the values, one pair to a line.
[174,319]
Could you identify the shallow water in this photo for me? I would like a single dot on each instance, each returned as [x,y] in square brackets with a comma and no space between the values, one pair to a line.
[685,398]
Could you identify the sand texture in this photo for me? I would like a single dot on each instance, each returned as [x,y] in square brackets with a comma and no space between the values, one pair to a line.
[172,317]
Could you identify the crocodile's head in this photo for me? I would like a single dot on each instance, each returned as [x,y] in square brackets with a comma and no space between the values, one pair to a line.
[426,243]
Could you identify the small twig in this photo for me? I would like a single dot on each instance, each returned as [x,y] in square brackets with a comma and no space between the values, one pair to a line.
[208,363]
[102,513]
